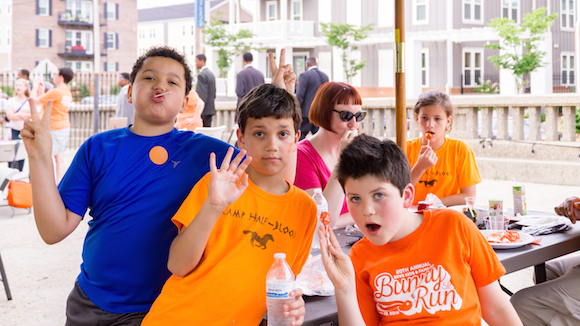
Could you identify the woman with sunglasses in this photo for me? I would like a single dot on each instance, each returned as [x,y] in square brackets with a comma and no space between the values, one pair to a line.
[337,110]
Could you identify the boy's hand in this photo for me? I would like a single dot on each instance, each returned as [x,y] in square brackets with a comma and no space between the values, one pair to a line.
[282,76]
[570,208]
[223,186]
[427,157]
[337,264]
[296,308]
[36,132]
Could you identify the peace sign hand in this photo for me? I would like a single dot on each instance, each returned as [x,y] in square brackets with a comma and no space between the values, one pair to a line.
[36,132]
[283,76]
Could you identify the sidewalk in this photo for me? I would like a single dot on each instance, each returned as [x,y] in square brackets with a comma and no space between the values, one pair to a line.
[41,276]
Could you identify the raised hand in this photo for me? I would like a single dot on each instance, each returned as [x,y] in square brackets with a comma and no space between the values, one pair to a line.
[224,189]
[570,208]
[283,76]
[337,264]
[36,132]
[347,137]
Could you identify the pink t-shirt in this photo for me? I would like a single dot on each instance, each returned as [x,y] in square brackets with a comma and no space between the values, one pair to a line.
[311,171]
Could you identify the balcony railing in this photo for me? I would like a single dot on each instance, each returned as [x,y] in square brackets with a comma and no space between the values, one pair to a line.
[78,51]
[273,29]
[79,20]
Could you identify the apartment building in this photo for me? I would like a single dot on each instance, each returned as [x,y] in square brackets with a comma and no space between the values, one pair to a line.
[445,41]
[175,26]
[62,32]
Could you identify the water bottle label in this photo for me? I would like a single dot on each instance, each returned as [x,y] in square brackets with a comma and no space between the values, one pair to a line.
[279,290]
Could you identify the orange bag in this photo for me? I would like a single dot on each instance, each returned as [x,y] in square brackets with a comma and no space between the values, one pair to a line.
[20,194]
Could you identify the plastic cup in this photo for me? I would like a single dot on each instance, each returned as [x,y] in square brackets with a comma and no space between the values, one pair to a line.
[482,214]
[496,223]
[470,202]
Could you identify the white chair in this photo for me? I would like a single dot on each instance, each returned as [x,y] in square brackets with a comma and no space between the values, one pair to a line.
[8,150]
[215,132]
[233,135]
[7,174]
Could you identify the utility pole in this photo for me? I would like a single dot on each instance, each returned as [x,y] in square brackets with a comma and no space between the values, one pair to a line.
[96,63]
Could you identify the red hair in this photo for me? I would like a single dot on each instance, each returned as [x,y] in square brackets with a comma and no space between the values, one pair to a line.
[329,95]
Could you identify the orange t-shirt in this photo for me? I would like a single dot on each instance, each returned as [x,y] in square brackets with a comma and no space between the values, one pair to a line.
[229,284]
[455,169]
[61,99]
[184,119]
[430,276]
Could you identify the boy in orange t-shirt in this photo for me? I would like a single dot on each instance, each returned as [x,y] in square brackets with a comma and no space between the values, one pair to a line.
[409,269]
[61,98]
[231,224]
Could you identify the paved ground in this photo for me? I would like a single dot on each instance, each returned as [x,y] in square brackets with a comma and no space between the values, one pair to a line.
[41,276]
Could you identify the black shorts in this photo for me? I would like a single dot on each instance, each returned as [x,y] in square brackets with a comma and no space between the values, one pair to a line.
[81,311]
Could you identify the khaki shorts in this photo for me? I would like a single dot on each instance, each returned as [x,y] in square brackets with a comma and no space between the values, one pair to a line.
[59,140]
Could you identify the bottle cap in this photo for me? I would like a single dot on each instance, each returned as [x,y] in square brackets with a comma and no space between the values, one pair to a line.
[317,190]
[280,255]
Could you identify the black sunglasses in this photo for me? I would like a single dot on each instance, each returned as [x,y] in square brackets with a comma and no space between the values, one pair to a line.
[347,115]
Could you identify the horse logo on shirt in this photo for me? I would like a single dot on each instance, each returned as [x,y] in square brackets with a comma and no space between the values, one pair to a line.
[258,241]
[428,184]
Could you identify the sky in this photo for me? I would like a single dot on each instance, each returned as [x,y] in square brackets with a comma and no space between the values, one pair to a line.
[143,4]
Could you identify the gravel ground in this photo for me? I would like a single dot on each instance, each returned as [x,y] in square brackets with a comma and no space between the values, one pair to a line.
[41,276]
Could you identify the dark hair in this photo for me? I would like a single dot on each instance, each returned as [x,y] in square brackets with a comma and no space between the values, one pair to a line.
[201,57]
[25,72]
[248,57]
[268,100]
[382,159]
[66,73]
[435,97]
[166,52]
[329,95]
[312,60]
[125,75]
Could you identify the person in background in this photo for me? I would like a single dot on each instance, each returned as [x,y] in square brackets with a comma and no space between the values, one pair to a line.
[337,109]
[124,108]
[557,301]
[25,74]
[18,110]
[61,98]
[308,84]
[442,166]
[205,89]
[191,117]
[248,78]
[434,268]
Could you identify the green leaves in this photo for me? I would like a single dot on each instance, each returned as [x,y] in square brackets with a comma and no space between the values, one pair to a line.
[519,43]
[229,45]
[343,36]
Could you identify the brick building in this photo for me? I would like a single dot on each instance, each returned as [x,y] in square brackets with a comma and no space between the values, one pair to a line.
[62,31]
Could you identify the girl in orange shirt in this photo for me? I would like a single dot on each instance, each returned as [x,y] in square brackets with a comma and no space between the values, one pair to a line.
[440,165]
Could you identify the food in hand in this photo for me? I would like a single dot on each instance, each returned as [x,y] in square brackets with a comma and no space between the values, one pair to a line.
[325,218]
[506,236]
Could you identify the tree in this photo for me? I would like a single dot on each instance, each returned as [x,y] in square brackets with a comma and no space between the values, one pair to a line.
[343,36]
[519,44]
[229,45]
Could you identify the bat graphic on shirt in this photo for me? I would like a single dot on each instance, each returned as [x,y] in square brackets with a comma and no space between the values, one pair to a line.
[428,184]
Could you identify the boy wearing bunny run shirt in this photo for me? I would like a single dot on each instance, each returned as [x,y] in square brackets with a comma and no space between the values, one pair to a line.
[433,268]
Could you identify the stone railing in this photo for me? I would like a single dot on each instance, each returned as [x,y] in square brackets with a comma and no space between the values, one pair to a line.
[469,110]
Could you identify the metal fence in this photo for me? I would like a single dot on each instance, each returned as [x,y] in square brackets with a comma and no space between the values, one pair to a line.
[475,84]
[564,83]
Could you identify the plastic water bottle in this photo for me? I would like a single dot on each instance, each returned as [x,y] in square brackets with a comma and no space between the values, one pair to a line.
[280,281]
[322,206]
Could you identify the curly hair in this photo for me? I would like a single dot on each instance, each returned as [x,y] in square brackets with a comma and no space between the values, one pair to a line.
[166,52]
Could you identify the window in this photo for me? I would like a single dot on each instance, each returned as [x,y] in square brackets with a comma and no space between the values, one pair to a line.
[152,32]
[567,14]
[192,50]
[0,36]
[110,40]
[425,67]
[473,11]
[68,39]
[271,10]
[509,9]
[183,30]
[192,29]
[8,8]
[568,77]
[420,12]
[8,36]
[183,50]
[472,67]
[110,10]
[43,38]
[296,9]
[43,8]
[110,66]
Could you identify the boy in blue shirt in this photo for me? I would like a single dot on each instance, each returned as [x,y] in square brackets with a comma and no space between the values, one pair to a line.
[133,180]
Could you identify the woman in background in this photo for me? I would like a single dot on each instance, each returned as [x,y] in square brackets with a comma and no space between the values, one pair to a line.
[18,110]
